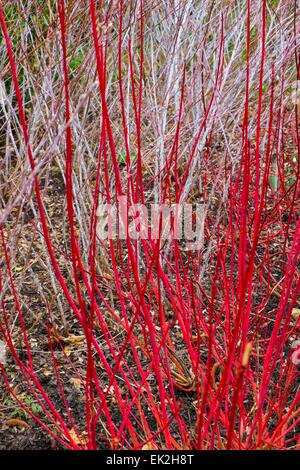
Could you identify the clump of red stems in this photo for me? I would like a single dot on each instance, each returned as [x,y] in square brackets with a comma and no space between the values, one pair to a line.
[204,117]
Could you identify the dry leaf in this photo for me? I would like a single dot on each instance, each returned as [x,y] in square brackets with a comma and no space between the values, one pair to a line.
[296,313]
[79,440]
[78,383]
[107,276]
[17,422]
[149,446]
[72,339]
[68,350]
[47,372]
[19,268]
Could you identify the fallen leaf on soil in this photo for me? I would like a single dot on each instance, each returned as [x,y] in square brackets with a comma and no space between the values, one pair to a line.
[296,313]
[78,383]
[19,268]
[78,440]
[68,350]
[72,339]
[149,446]
[17,422]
